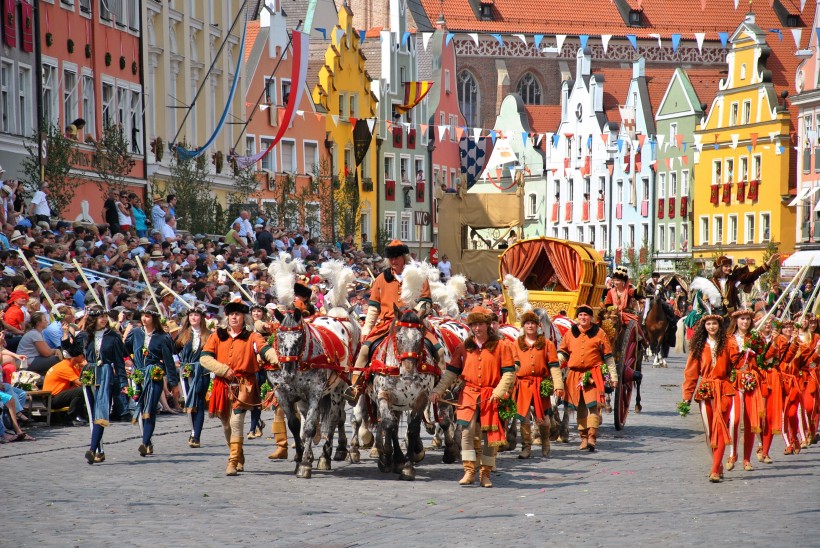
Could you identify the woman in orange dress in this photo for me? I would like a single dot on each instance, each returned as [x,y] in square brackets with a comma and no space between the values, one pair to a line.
[771,385]
[747,378]
[805,363]
[709,361]
[799,351]
[536,359]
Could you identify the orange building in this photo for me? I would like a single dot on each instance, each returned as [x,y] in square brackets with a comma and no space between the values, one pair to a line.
[91,69]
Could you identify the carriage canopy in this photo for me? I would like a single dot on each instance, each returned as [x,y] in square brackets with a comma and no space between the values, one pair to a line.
[559,274]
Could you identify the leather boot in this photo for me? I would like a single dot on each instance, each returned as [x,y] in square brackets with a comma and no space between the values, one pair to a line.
[469,473]
[485,476]
[280,436]
[233,458]
[584,441]
[240,462]
[592,438]
[545,439]
[352,392]
[526,441]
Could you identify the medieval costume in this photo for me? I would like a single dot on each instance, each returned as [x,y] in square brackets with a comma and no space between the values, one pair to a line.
[800,386]
[486,365]
[774,389]
[728,282]
[711,362]
[153,354]
[197,378]
[585,349]
[536,359]
[231,354]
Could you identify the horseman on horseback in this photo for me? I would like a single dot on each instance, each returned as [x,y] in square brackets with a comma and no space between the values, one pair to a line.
[384,297]
[727,280]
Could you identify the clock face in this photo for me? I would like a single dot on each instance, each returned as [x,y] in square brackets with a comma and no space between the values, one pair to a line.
[579,111]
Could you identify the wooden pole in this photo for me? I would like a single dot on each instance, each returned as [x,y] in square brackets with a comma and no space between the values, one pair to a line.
[241,289]
[90,287]
[36,279]
[148,284]
[176,295]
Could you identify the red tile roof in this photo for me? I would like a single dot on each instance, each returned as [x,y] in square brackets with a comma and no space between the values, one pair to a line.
[250,37]
[543,118]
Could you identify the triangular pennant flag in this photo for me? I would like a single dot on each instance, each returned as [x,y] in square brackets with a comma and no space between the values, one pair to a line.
[280,115]
[611,168]
[335,118]
[633,40]
[679,139]
[589,142]
[641,139]
[449,38]
[513,169]
[323,31]
[500,40]
[522,38]
[660,137]
[404,38]
[780,150]
[555,139]
[425,39]
[362,35]
[605,138]
[699,36]
[620,145]
[524,136]
[749,148]
[684,146]
[605,40]
[736,3]
[675,41]
[753,139]
[778,32]
[352,120]
[735,138]
[476,134]
[658,36]
[668,163]
[460,132]
[717,136]
[537,40]
[772,135]
[797,34]
[559,38]
[652,145]
[698,139]
[724,38]
[493,135]
[584,38]
[474,36]
[318,116]
[423,128]
[440,132]
[685,160]
[371,123]
[538,142]
[388,125]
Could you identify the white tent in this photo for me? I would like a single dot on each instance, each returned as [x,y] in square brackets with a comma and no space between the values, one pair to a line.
[802,258]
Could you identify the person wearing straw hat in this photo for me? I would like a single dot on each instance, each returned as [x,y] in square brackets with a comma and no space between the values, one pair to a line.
[727,281]
[231,354]
[487,366]
[536,359]
[584,349]
[153,354]
[710,363]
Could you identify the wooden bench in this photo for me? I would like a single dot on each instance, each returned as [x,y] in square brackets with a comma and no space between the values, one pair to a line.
[42,399]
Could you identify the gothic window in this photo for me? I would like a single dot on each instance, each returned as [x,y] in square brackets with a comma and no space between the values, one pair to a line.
[468,98]
[530,90]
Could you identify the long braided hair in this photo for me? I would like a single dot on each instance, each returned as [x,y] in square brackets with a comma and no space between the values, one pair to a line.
[700,336]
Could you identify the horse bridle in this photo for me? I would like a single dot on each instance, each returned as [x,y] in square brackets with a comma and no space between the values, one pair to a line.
[410,355]
[291,329]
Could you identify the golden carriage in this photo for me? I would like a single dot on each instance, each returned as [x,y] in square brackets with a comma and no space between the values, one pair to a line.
[559,274]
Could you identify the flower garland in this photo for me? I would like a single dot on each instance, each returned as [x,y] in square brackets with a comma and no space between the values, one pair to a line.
[683,408]
[264,389]
[138,376]
[87,378]
[705,392]
[586,380]
[507,409]
[133,393]
[748,382]
[157,373]
[187,371]
[547,388]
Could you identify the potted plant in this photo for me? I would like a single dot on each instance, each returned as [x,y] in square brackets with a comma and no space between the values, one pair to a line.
[70,45]
[107,58]
[49,39]
[122,62]
[88,51]
[134,68]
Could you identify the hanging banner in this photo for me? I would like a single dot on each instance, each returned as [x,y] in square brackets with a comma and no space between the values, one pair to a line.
[414,92]
[362,137]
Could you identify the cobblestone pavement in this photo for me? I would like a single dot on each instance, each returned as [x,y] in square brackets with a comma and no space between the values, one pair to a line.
[647,485]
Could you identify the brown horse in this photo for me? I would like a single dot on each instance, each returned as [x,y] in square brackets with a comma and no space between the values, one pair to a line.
[657,327]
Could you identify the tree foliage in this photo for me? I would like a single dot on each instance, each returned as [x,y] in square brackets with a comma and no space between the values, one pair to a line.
[60,154]
[112,160]
[772,278]
[196,207]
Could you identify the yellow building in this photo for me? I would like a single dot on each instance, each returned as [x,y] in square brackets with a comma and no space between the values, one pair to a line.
[739,205]
[344,93]
[181,41]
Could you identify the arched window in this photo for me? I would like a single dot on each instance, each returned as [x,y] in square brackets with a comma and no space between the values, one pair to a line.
[529,89]
[468,99]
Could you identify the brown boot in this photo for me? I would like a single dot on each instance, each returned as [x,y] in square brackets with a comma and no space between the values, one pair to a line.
[469,473]
[545,440]
[592,438]
[233,458]
[526,441]
[352,392]
[584,441]
[485,476]
[280,436]
[240,461]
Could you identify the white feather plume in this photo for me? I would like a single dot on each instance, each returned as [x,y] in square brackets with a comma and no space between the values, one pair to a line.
[283,270]
[413,277]
[340,277]
[457,286]
[518,293]
[708,289]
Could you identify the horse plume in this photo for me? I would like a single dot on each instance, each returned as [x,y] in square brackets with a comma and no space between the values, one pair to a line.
[413,278]
[283,270]
[708,289]
[340,277]
[518,293]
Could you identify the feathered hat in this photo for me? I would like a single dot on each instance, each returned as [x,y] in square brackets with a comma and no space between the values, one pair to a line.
[396,248]
[621,273]
[722,260]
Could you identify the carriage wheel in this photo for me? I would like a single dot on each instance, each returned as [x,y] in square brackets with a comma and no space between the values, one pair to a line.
[629,361]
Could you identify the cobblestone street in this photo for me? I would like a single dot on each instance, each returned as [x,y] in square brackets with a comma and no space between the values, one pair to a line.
[646,485]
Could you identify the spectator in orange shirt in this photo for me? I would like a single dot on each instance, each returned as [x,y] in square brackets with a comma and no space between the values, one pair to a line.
[63,381]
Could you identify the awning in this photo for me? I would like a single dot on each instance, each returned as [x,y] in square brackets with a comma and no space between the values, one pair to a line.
[805,193]
[802,258]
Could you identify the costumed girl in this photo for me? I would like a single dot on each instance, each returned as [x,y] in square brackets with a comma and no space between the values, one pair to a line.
[197,379]
[106,354]
[710,361]
[773,385]
[802,385]
[153,352]
[259,316]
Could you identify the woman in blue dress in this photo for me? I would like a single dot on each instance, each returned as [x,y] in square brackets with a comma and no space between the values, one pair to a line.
[196,378]
[105,353]
[153,352]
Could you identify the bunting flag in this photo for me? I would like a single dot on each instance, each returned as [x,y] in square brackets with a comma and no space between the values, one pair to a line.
[362,137]
[522,38]
[699,36]
[584,38]
[658,36]
[753,138]
[301,48]
[500,40]
[425,39]
[735,139]
[605,40]
[559,38]
[537,40]
[474,36]
[797,34]
[724,38]
[414,92]
[633,40]
[675,42]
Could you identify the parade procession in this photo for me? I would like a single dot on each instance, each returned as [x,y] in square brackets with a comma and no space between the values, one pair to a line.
[328,272]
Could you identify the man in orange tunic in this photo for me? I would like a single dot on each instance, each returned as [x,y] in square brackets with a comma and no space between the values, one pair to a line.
[486,364]
[536,359]
[385,294]
[231,353]
[585,349]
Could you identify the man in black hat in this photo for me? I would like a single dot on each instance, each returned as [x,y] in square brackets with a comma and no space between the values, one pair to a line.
[728,281]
